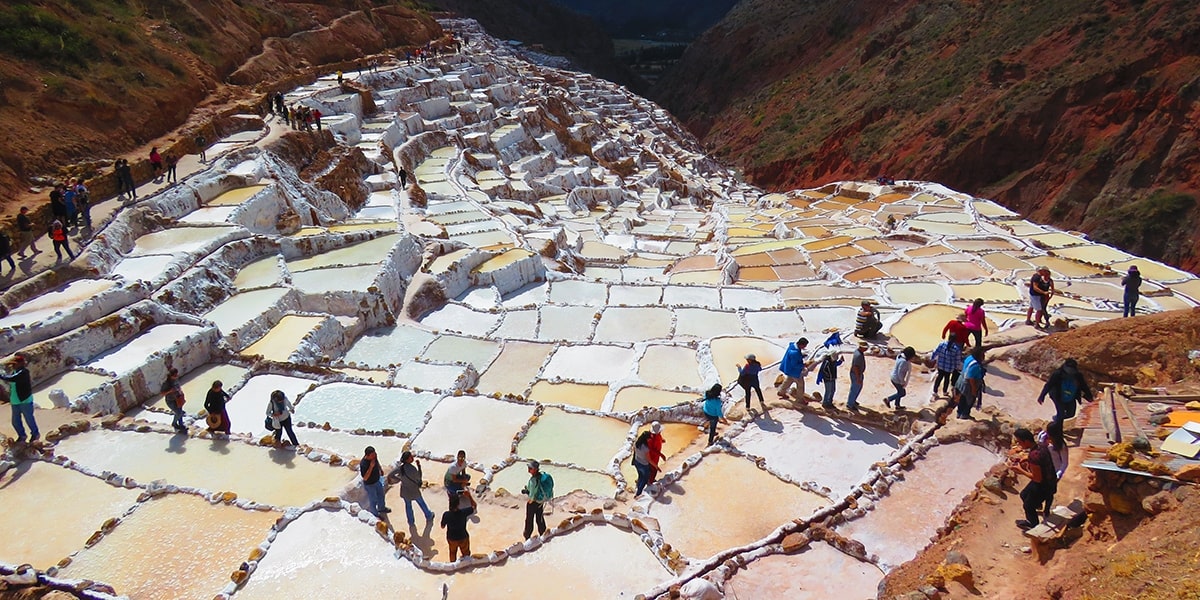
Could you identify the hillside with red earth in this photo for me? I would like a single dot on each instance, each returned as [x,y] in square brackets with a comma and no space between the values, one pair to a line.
[1076,113]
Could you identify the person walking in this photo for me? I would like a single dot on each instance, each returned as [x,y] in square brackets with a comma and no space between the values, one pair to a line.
[125,179]
[540,489]
[858,371]
[6,251]
[956,329]
[372,478]
[173,397]
[976,321]
[214,404]
[201,147]
[900,374]
[748,379]
[641,461]
[1132,282]
[72,212]
[411,479]
[827,373]
[969,388]
[403,178]
[156,163]
[20,396]
[714,410]
[454,521]
[58,236]
[25,233]
[279,411]
[1038,466]
[171,163]
[655,454]
[1066,387]
[83,202]
[793,368]
[1056,444]
[948,358]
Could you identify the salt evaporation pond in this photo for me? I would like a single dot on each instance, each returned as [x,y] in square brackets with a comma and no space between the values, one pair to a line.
[351,406]
[260,273]
[515,368]
[670,367]
[180,240]
[248,405]
[236,196]
[202,543]
[284,338]
[73,383]
[143,268]
[818,572]
[70,296]
[485,428]
[514,477]
[197,383]
[277,477]
[316,282]
[584,395]
[130,356]
[383,347]
[240,309]
[587,441]
[49,531]
[370,252]
[590,364]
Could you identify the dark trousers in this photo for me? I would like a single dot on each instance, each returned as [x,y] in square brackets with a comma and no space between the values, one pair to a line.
[946,379]
[534,512]
[1130,304]
[712,428]
[286,424]
[752,385]
[1033,497]
[978,335]
[901,392]
[643,477]
[59,246]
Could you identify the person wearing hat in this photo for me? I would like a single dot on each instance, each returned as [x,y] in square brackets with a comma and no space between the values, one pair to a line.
[1132,281]
[214,403]
[748,379]
[411,479]
[1066,387]
[827,373]
[858,369]
[540,489]
[372,478]
[867,324]
[655,453]
[20,395]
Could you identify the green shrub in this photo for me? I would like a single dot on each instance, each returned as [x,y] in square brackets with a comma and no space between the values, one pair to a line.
[36,34]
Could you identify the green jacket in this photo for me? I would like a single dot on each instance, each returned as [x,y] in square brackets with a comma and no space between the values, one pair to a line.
[540,487]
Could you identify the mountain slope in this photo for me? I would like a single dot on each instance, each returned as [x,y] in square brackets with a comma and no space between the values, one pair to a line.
[1077,113]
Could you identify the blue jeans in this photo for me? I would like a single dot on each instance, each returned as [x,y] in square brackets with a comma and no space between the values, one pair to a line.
[855,390]
[830,388]
[712,428]
[375,498]
[177,423]
[408,512]
[25,411]
[643,478]
[1130,305]
[900,393]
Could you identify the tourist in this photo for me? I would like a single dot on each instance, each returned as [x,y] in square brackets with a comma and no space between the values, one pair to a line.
[411,478]
[1066,387]
[827,373]
[969,388]
[125,184]
[748,379]
[976,321]
[793,368]
[58,236]
[173,397]
[900,374]
[403,178]
[6,254]
[1056,444]
[867,324]
[1041,287]
[858,369]
[714,410]
[948,358]
[1132,281]
[201,147]
[372,477]
[1038,466]
[540,489]
[214,405]
[58,206]
[25,233]
[20,395]
[280,411]
[641,461]
[656,449]
[171,163]
[83,202]
[456,477]
[316,117]
[72,217]
[956,329]
[156,163]
[454,521]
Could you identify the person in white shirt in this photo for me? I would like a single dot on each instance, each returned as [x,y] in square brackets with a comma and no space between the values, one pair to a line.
[900,374]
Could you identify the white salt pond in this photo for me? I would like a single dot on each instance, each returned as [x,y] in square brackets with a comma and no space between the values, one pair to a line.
[485,428]
[284,338]
[129,356]
[248,405]
[590,364]
[383,347]
[45,305]
[277,477]
[195,385]
[242,308]
[350,406]
[816,573]
[514,477]
[180,240]
[316,282]
[369,252]
[260,273]
[569,438]
[73,383]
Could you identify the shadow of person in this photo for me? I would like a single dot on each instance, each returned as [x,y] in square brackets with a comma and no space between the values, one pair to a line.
[219,445]
[423,539]
[176,444]
[16,473]
[766,422]
[283,456]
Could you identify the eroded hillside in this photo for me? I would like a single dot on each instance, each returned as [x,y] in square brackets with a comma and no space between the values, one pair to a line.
[1076,113]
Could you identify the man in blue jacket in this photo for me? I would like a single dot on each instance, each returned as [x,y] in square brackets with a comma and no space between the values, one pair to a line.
[793,368]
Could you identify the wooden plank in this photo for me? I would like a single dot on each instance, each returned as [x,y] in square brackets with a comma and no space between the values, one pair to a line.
[1124,404]
[1055,524]
[1165,399]
[1108,416]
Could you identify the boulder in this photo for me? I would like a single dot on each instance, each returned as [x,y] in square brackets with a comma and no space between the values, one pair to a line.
[1190,473]
[700,589]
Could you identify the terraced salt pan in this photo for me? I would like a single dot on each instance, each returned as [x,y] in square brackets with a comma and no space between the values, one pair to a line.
[130,356]
[452,348]
[1061,267]
[308,560]
[47,532]
[197,383]
[429,376]
[278,477]
[565,323]
[284,338]
[816,573]
[180,240]
[348,445]
[460,319]
[568,438]
[1094,253]
[45,305]
[701,323]
[729,352]
[369,252]
[389,345]
[1002,261]
[575,292]
[350,406]
[590,364]
[337,279]
[208,215]
[848,449]
[219,537]
[566,480]
[692,296]
[696,517]
[248,405]
[590,396]
[635,295]
[626,324]
[515,368]
[74,383]
[736,298]
[1152,270]
[236,196]
[485,428]
[143,268]
[670,367]
[912,292]
[903,522]
[633,398]
[775,323]
[990,291]
[242,308]
[260,273]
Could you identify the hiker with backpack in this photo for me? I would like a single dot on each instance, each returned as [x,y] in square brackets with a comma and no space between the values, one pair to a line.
[1067,388]
[540,490]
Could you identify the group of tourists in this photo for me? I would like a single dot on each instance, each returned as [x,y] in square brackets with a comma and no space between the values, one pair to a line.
[298,116]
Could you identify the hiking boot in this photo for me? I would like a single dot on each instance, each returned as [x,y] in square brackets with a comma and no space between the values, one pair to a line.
[1025,525]
[1028,322]
[887,402]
